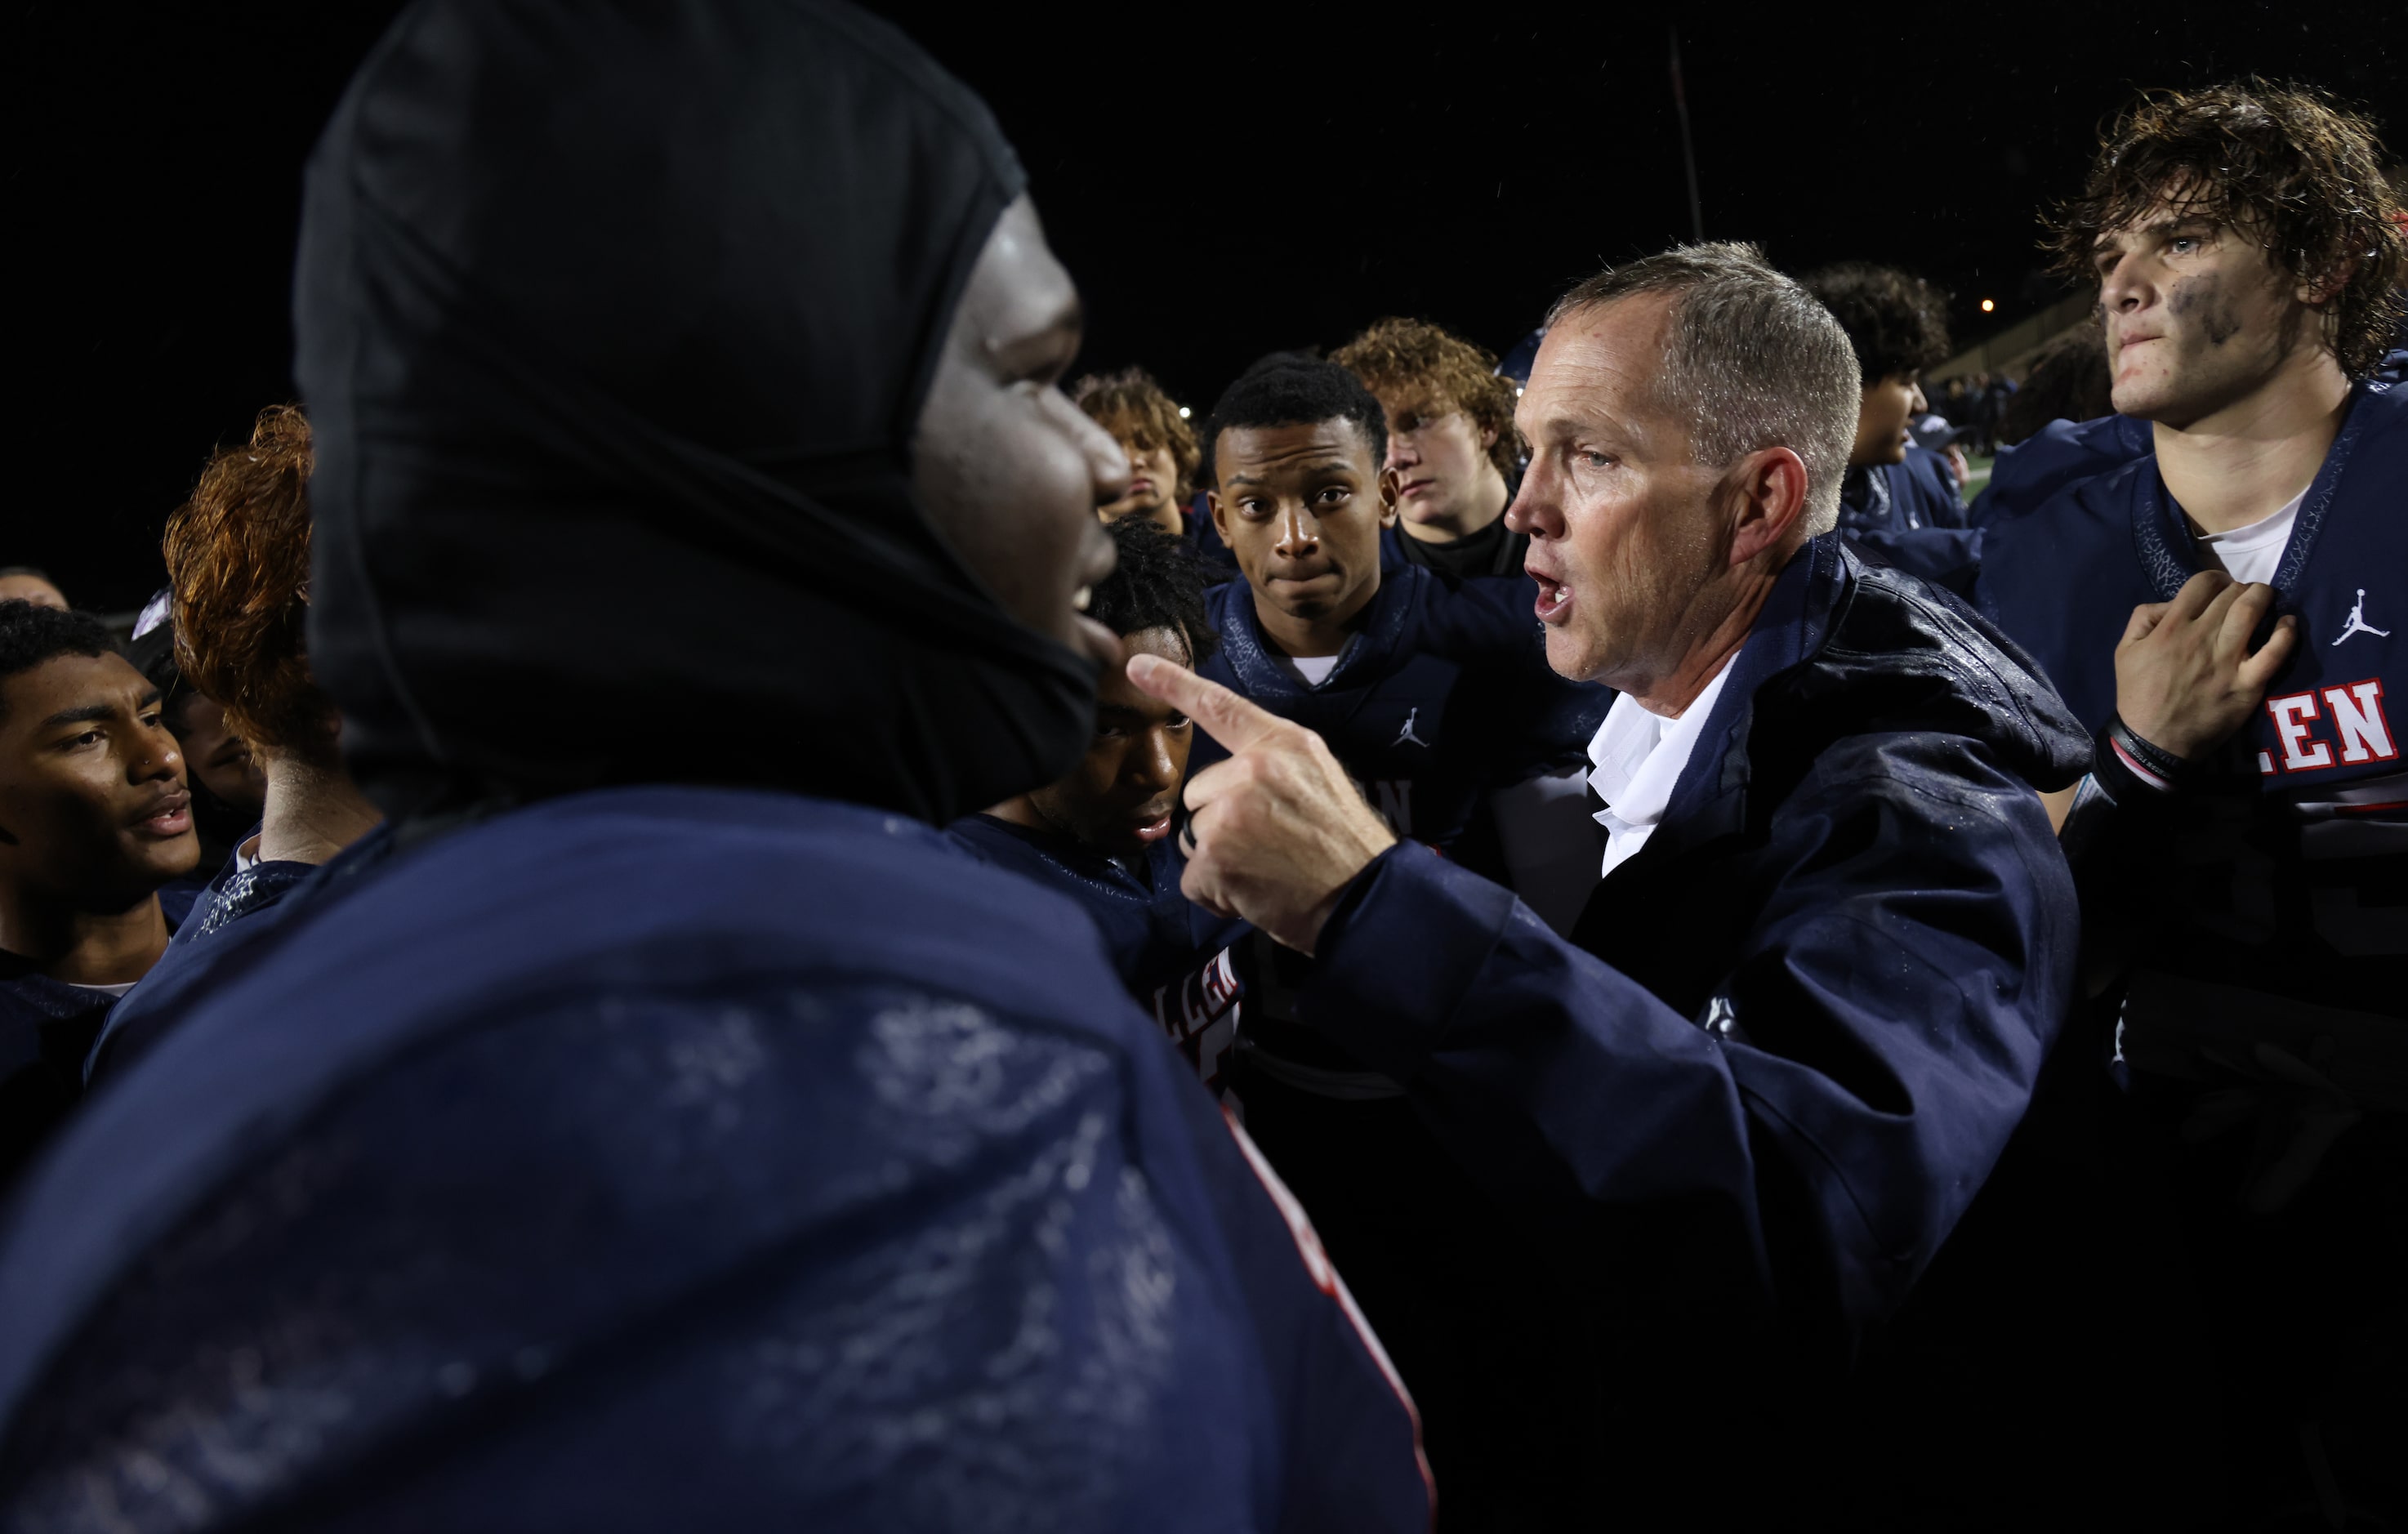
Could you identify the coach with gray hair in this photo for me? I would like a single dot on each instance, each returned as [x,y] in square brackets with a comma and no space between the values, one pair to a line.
[1833,938]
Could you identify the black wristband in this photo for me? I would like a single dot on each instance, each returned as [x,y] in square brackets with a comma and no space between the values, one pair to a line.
[2119,756]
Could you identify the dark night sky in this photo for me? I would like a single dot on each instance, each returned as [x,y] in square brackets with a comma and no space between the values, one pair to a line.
[1223,181]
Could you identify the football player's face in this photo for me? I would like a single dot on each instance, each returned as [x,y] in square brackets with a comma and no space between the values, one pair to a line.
[2197,316]
[1009,469]
[24,586]
[1301,508]
[1890,405]
[1440,460]
[1119,800]
[92,808]
[1153,489]
[216,757]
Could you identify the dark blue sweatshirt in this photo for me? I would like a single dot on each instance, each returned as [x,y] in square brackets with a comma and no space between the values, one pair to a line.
[672,1157]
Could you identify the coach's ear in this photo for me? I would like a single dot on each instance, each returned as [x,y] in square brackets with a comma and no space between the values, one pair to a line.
[1764,499]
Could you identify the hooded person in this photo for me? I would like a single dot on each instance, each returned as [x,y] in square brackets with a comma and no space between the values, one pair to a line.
[664,1127]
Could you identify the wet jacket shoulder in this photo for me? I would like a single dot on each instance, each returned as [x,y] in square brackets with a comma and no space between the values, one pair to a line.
[763,1150]
[2025,476]
[1801,1022]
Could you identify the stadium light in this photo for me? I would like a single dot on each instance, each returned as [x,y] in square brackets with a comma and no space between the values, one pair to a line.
[1987,306]
[1182,412]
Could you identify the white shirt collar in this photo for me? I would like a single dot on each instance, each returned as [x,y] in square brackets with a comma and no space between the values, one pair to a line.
[1638,757]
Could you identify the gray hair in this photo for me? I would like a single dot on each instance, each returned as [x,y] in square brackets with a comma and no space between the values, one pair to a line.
[1753,361]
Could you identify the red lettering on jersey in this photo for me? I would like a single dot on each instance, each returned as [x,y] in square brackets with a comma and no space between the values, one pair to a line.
[2266,763]
[2290,715]
[2357,715]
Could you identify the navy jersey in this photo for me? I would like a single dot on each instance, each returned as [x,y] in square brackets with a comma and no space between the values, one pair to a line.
[46,1027]
[242,908]
[177,896]
[2293,875]
[663,1157]
[1442,695]
[1910,514]
[1495,552]
[2024,477]
[1170,952]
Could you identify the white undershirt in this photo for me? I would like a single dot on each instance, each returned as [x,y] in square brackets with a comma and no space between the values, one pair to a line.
[1313,670]
[117,990]
[2250,554]
[1639,757]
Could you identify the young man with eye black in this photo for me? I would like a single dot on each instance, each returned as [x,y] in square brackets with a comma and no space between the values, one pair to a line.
[1103,833]
[2230,613]
[94,818]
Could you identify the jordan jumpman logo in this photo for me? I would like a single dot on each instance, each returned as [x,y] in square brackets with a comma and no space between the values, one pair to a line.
[2357,623]
[1407,733]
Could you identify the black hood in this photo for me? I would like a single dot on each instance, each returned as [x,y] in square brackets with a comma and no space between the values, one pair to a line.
[614,323]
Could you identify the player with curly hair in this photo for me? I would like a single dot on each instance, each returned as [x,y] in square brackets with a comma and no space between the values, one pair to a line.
[1451,441]
[1161,447]
[1899,501]
[2230,613]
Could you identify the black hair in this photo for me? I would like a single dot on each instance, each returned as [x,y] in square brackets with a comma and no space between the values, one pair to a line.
[2069,381]
[1897,321]
[31,634]
[1290,389]
[1158,584]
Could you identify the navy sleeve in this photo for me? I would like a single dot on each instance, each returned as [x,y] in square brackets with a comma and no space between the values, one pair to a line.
[1845,1091]
[1948,557]
[1529,720]
[802,1255]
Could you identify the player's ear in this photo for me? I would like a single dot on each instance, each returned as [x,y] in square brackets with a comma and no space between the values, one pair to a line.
[1220,518]
[1391,487]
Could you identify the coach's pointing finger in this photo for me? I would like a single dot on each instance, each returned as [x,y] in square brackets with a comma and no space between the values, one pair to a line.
[1224,716]
[1279,829]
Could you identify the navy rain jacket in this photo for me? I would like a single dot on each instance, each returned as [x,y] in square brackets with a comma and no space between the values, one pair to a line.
[1910,514]
[1795,1030]
[762,1150]
[2024,476]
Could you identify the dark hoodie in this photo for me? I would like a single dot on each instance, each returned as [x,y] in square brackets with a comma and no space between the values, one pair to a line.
[663,1155]
[1787,1041]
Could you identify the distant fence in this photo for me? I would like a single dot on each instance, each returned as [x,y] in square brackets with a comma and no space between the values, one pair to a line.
[2012,349]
